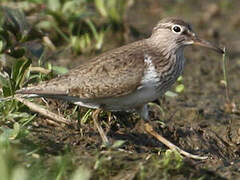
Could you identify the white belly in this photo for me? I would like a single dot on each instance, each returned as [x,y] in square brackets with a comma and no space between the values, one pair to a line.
[123,103]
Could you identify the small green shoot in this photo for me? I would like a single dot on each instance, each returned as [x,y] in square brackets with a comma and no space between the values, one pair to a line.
[98,36]
[117,144]
[18,75]
[171,94]
[86,116]
[172,160]
[113,10]
[180,87]
[59,70]
[225,75]
[230,105]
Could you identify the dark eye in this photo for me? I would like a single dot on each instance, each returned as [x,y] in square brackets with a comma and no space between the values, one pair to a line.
[176,29]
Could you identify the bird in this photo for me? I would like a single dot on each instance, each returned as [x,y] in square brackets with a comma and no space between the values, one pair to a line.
[129,77]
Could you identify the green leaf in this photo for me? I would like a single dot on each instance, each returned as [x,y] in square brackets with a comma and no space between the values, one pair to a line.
[172,159]
[118,143]
[54,5]
[59,69]
[7,91]
[15,131]
[69,6]
[46,25]
[179,88]
[1,46]
[86,116]
[8,134]
[101,7]
[98,36]
[18,72]
[171,94]
[180,78]
[5,39]
[6,85]
[4,82]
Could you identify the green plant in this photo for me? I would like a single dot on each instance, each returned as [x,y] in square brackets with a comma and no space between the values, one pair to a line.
[172,160]
[225,76]
[85,42]
[178,89]
[113,10]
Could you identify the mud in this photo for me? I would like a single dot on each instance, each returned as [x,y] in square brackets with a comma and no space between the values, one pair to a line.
[197,120]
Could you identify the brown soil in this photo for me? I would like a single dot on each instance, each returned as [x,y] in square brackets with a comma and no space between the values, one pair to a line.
[197,120]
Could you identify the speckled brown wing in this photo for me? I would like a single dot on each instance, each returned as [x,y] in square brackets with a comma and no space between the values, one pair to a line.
[112,74]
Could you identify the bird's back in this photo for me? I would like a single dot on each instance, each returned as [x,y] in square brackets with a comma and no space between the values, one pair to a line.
[114,73]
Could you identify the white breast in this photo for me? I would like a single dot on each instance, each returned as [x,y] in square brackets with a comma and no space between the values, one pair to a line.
[150,78]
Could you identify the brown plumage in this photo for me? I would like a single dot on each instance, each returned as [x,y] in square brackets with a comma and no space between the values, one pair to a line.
[112,74]
[119,72]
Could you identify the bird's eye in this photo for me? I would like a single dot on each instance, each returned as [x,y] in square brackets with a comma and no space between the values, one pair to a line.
[176,29]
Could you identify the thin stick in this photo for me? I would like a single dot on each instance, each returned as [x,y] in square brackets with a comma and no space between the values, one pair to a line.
[170,145]
[224,64]
[100,130]
[43,111]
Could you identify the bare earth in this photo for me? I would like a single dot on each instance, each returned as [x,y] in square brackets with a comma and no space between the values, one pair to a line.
[197,120]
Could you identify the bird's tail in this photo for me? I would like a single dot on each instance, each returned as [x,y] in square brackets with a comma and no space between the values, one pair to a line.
[9,98]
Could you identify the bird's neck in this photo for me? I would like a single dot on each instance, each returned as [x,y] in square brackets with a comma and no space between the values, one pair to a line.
[168,61]
[167,53]
[162,44]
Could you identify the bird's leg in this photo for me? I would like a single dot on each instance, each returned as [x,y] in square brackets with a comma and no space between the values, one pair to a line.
[143,112]
[99,128]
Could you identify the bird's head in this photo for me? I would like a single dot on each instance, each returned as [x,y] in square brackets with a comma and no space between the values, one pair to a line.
[176,33]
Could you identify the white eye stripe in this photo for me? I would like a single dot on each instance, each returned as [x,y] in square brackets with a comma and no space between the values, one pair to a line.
[176,29]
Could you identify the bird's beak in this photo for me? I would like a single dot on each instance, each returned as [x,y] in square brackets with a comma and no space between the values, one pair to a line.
[200,42]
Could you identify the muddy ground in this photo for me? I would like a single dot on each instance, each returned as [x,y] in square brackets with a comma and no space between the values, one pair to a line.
[197,120]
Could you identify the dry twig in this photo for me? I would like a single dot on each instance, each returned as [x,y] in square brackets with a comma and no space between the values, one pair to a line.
[42,111]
